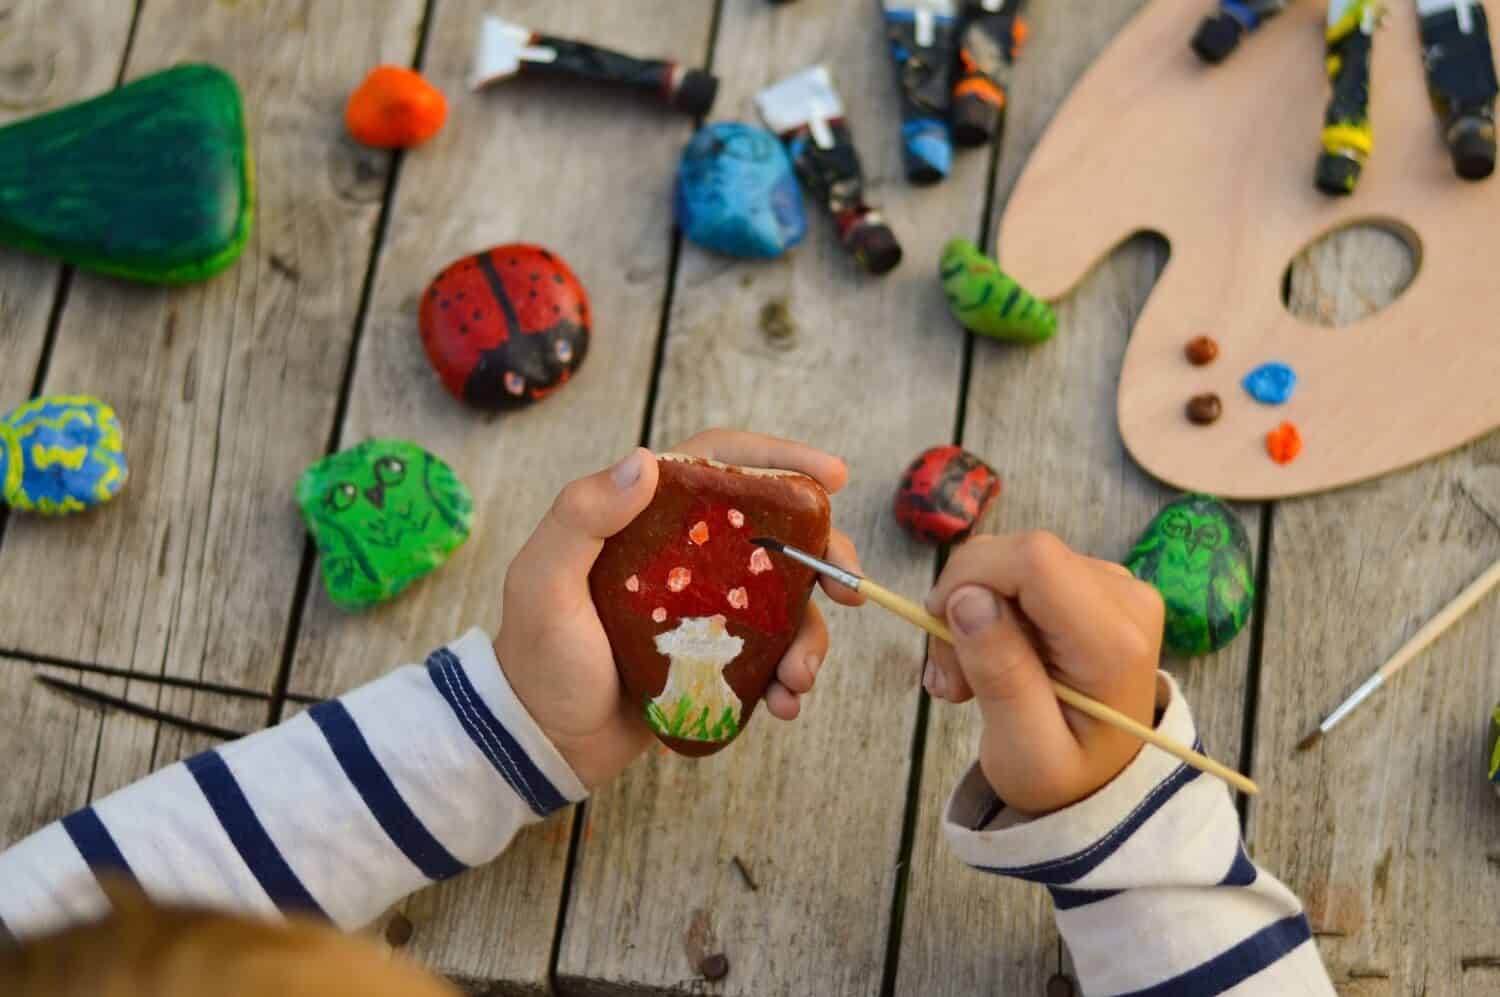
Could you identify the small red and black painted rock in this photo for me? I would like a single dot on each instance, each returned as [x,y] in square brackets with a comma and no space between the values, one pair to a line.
[505,327]
[945,493]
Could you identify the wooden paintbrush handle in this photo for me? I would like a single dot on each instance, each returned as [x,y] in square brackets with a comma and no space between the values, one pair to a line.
[918,615]
[1435,627]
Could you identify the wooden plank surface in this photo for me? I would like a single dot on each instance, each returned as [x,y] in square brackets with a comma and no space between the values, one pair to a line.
[48,743]
[814,810]
[1387,828]
[52,52]
[588,173]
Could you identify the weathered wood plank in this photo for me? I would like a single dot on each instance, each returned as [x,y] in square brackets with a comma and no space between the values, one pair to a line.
[48,743]
[1045,418]
[813,810]
[1386,828]
[588,173]
[52,52]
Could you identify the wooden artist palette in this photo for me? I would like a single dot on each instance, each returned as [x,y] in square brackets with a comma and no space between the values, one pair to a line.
[1219,160]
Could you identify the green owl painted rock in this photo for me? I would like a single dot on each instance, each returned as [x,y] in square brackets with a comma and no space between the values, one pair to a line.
[1495,749]
[152,181]
[61,454]
[987,301]
[383,513]
[1197,555]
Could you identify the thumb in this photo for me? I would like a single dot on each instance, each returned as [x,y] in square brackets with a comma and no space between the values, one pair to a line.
[589,511]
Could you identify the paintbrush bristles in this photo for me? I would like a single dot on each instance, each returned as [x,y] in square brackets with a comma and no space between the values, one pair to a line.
[1310,740]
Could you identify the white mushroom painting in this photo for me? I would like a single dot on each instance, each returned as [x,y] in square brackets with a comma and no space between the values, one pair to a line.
[696,702]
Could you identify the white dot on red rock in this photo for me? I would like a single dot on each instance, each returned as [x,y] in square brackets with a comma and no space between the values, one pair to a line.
[760,561]
[736,518]
[679,579]
[739,598]
[514,383]
[659,614]
[699,533]
[632,584]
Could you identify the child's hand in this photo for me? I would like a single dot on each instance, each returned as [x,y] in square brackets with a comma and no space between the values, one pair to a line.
[1023,609]
[551,643]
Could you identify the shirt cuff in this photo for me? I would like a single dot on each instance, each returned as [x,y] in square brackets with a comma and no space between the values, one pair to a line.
[985,834]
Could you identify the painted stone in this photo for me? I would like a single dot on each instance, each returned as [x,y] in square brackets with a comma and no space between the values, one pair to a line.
[1271,383]
[395,108]
[1197,555]
[505,327]
[989,303]
[152,181]
[698,616]
[945,493]
[1494,766]
[383,514]
[61,454]
[737,194]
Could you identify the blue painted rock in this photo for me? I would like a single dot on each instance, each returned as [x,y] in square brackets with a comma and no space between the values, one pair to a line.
[383,514]
[737,194]
[61,454]
[1197,555]
[1271,383]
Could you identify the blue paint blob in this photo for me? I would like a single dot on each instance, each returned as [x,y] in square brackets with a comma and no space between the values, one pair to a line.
[1271,383]
[929,149]
[737,194]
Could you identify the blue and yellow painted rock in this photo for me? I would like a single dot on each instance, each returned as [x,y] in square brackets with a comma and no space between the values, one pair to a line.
[61,454]
[737,193]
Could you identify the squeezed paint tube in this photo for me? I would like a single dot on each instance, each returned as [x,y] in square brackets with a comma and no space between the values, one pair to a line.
[1220,33]
[1461,81]
[991,35]
[506,49]
[1347,138]
[806,112]
[923,36]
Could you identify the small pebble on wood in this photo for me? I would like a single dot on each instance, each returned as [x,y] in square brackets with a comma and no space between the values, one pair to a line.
[1204,409]
[1201,351]
[61,454]
[395,108]
[945,493]
[714,967]
[987,301]
[1271,383]
[1284,443]
[736,193]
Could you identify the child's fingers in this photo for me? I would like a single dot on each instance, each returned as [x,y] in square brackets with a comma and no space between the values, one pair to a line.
[798,668]
[841,552]
[755,450]
[781,702]
[943,678]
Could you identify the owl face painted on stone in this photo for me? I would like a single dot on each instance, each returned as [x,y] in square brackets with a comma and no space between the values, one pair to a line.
[1197,555]
[383,513]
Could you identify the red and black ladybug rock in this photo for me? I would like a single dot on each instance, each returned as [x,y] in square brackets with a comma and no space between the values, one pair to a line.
[945,493]
[505,327]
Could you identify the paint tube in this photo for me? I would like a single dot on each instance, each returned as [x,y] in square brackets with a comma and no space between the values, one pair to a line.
[1461,80]
[1220,33]
[923,36]
[1347,137]
[806,112]
[991,35]
[506,49]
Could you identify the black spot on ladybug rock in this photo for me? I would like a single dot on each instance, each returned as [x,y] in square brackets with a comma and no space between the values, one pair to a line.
[945,493]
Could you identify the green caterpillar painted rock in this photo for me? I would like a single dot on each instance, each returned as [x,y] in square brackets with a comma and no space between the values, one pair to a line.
[383,514]
[61,454]
[1197,555]
[988,302]
[1495,749]
[151,182]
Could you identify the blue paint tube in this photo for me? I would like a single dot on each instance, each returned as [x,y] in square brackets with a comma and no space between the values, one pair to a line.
[923,36]
[1220,33]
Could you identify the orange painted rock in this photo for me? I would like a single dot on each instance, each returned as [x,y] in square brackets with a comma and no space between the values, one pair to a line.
[698,616]
[395,108]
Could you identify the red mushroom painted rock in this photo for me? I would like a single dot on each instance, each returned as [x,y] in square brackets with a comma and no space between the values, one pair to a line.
[698,617]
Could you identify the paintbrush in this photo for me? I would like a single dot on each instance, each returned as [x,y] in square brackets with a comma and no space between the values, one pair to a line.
[920,617]
[1420,640]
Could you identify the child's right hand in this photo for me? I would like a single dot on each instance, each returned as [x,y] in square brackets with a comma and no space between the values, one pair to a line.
[1024,609]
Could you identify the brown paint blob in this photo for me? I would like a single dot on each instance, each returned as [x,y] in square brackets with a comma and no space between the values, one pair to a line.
[398,931]
[1201,351]
[714,967]
[1204,409]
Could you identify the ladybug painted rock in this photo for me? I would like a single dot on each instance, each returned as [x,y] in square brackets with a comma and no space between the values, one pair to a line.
[945,493]
[505,327]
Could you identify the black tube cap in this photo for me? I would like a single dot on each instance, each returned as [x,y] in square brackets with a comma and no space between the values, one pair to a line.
[874,247]
[1337,175]
[1472,144]
[696,93]
[1216,37]
[976,121]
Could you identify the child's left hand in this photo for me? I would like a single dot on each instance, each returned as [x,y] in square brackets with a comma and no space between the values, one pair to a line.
[551,644]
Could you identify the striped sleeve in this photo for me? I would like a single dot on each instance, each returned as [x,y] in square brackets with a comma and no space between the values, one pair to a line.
[339,811]
[1153,890]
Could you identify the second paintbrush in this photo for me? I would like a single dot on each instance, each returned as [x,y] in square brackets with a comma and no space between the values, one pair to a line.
[920,617]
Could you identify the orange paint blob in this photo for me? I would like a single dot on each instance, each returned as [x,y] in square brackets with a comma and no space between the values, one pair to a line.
[679,579]
[699,533]
[395,108]
[1284,443]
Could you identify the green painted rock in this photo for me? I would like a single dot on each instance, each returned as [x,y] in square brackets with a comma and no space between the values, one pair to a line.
[1495,749]
[383,513]
[152,181]
[987,301]
[1197,555]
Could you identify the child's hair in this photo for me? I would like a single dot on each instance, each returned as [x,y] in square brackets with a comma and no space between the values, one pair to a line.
[141,949]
